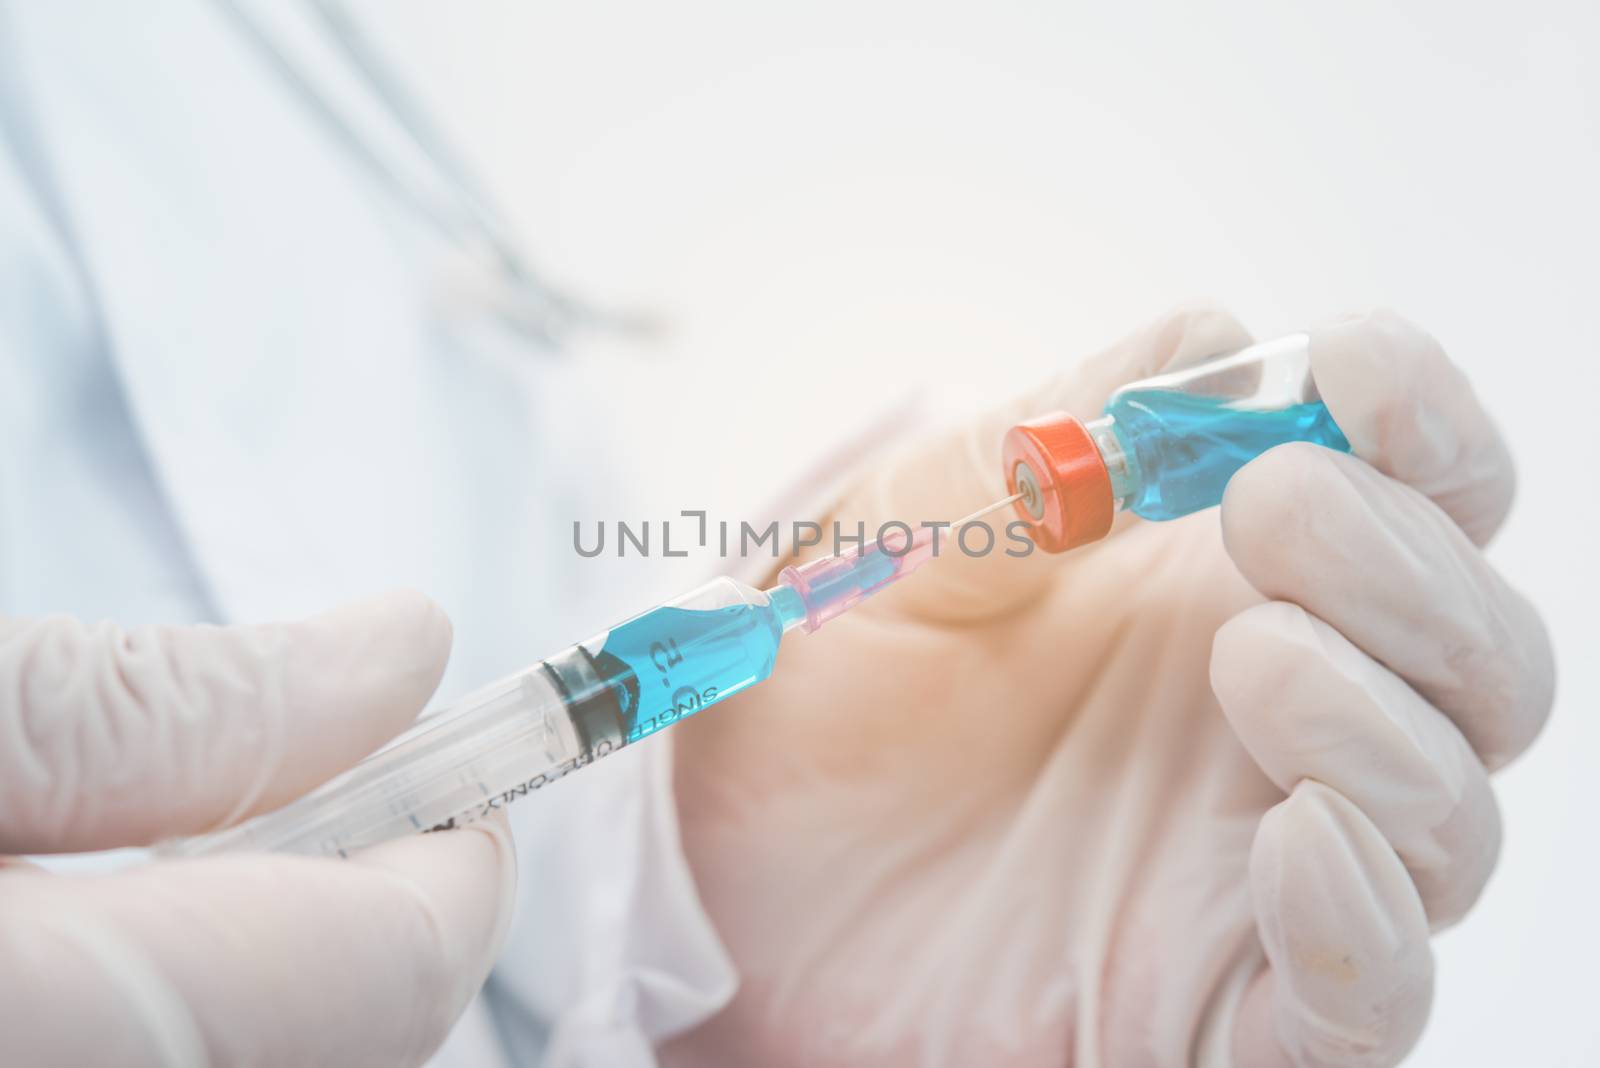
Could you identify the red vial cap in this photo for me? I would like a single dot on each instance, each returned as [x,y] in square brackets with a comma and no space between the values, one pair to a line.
[1066,491]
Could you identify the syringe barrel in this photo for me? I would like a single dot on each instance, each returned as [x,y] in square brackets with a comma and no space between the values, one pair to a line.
[515,736]
[496,744]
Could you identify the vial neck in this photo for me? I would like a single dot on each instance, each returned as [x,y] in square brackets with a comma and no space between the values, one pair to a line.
[1121,465]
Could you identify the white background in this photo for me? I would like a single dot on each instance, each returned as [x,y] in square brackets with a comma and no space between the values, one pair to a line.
[835,201]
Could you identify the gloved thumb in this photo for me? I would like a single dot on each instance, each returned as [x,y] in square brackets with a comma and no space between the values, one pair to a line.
[980,575]
[112,737]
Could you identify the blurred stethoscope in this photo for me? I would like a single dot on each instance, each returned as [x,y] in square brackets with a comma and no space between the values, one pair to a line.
[450,199]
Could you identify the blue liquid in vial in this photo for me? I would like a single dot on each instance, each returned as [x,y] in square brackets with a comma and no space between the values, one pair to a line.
[1186,447]
[669,663]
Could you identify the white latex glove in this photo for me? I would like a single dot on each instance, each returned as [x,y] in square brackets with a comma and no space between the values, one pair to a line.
[112,738]
[1196,794]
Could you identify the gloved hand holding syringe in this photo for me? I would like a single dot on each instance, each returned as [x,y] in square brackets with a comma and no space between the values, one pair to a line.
[513,737]
[1164,448]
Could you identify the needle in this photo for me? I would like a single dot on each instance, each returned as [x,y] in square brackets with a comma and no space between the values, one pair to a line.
[986,510]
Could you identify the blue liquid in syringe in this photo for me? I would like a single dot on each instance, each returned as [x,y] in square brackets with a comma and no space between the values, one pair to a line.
[671,662]
[1187,447]
[680,660]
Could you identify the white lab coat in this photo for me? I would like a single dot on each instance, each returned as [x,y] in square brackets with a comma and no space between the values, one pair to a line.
[232,388]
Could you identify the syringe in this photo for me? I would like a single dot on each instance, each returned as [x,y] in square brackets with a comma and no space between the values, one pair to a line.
[513,737]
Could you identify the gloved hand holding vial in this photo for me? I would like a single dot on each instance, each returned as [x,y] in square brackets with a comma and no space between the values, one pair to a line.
[1196,792]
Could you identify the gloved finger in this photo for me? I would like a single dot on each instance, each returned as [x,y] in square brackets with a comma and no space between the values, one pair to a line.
[960,472]
[1349,977]
[255,958]
[1388,569]
[1411,413]
[111,737]
[1309,705]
